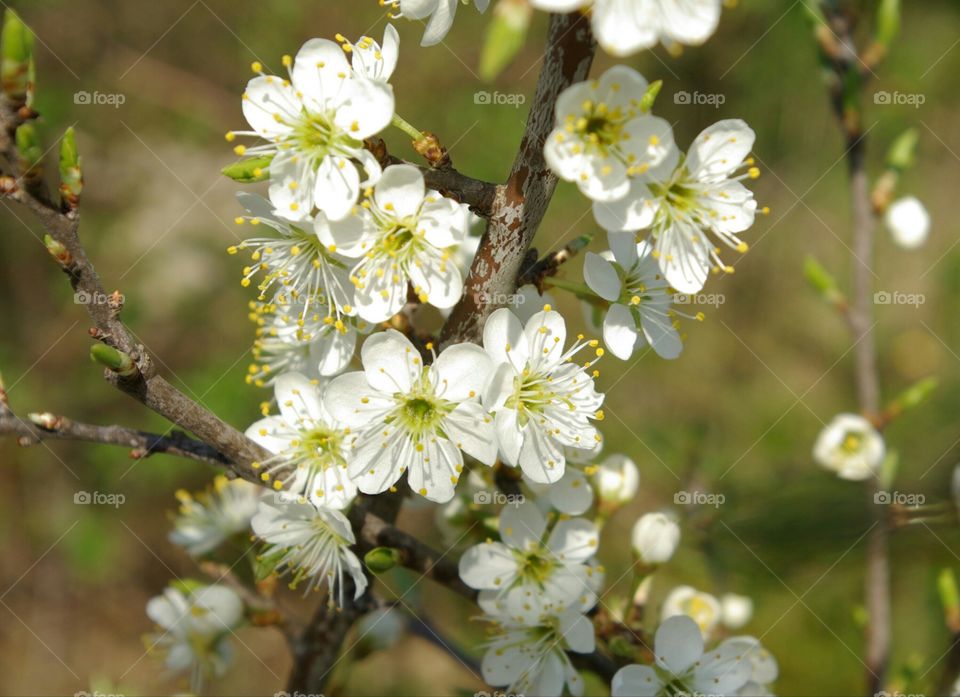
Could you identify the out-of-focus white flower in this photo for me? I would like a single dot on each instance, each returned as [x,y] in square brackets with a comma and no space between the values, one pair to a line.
[908,222]
[616,479]
[528,579]
[309,446]
[542,400]
[207,519]
[688,202]
[736,610]
[623,27]
[602,139]
[313,544]
[414,419]
[655,537]
[533,660]
[195,620]
[764,668]
[438,15]
[641,311]
[682,667]
[850,446]
[702,608]
[315,122]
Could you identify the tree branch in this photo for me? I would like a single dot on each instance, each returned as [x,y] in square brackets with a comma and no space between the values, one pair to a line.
[520,204]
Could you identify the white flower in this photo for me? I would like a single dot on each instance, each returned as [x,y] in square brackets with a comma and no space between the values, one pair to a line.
[850,446]
[571,495]
[602,139]
[764,668]
[623,27]
[682,667]
[655,537]
[211,517]
[908,222]
[195,621]
[528,579]
[735,610]
[414,418]
[641,311]
[300,266]
[532,660]
[616,479]
[309,446]
[541,399]
[702,608]
[440,12]
[311,542]
[688,202]
[315,122]
[403,234]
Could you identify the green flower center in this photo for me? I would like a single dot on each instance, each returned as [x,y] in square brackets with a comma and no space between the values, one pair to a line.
[852,442]
[534,567]
[420,412]
[322,447]
[318,135]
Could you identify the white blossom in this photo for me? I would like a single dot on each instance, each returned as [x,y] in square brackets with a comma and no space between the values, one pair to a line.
[437,14]
[314,122]
[850,446]
[908,222]
[655,537]
[204,521]
[542,400]
[531,575]
[312,543]
[623,27]
[412,418]
[309,445]
[602,140]
[681,665]
[735,610]
[616,479]
[533,660]
[688,202]
[703,608]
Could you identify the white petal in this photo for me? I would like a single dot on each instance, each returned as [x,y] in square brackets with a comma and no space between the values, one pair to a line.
[601,276]
[572,494]
[522,526]
[266,97]
[337,187]
[473,431]
[440,22]
[720,148]
[636,681]
[390,362]
[400,191]
[461,372]
[678,644]
[490,565]
[574,540]
[504,338]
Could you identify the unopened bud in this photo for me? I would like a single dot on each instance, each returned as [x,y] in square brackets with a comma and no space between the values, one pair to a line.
[16,57]
[28,147]
[58,251]
[119,362]
[250,170]
[46,420]
[71,176]
[432,151]
[381,559]
[655,538]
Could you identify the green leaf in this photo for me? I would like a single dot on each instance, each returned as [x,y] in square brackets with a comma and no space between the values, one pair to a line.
[650,96]
[253,169]
[913,396]
[71,176]
[821,280]
[888,21]
[902,153]
[16,57]
[506,34]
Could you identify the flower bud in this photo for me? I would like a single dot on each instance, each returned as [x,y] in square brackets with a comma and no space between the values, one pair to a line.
[71,176]
[655,538]
[58,251]
[616,480]
[119,362]
[29,149]
[735,610]
[16,57]
[381,559]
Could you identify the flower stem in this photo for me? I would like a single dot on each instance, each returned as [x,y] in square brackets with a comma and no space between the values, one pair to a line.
[581,290]
[406,127]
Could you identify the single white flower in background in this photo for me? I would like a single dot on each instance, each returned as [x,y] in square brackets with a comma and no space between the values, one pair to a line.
[616,479]
[602,139]
[850,446]
[403,234]
[542,400]
[440,13]
[682,667]
[531,575]
[908,222]
[311,543]
[204,521]
[533,660]
[309,446]
[299,265]
[195,620]
[623,27]
[687,202]
[702,608]
[735,610]
[641,312]
[414,419]
[315,122]
[655,537]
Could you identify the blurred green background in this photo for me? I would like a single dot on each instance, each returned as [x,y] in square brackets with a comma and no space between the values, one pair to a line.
[736,414]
